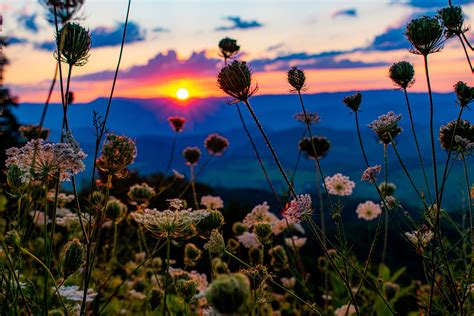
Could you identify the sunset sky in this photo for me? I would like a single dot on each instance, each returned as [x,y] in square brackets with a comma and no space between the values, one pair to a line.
[342,45]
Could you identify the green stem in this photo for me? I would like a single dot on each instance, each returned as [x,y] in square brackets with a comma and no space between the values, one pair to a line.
[193,187]
[168,251]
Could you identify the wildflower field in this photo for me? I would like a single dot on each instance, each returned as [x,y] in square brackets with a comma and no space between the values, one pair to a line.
[89,230]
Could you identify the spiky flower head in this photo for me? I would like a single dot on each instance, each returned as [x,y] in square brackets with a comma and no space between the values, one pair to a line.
[115,209]
[228,293]
[216,144]
[318,148]
[215,243]
[353,101]
[339,184]
[45,161]
[368,210]
[140,194]
[263,231]
[298,208]
[387,188]
[297,79]
[117,153]
[192,254]
[73,255]
[425,35]
[308,118]
[370,174]
[73,44]
[464,93]
[235,80]
[192,155]
[453,20]
[402,74]
[228,47]
[177,123]
[457,137]
[386,127]
[33,132]
[65,10]
[213,220]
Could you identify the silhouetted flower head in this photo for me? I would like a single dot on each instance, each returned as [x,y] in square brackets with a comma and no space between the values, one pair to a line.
[73,44]
[117,153]
[228,47]
[310,118]
[66,10]
[461,136]
[235,80]
[370,174]
[33,132]
[140,194]
[386,127]
[402,74]
[321,145]
[177,123]
[387,188]
[216,144]
[353,101]
[425,35]
[464,93]
[70,97]
[453,20]
[192,155]
[296,79]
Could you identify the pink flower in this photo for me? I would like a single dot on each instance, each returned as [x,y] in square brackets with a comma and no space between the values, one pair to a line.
[298,208]
[249,240]
[370,174]
[368,210]
[339,184]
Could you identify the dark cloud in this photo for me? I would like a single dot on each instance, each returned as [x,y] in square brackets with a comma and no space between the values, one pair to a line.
[28,22]
[433,3]
[105,36]
[392,39]
[166,64]
[160,29]
[345,12]
[238,23]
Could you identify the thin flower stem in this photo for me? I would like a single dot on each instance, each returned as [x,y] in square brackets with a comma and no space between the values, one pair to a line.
[109,102]
[269,145]
[48,98]
[46,247]
[198,173]
[385,237]
[415,138]
[295,168]
[168,251]
[259,158]
[467,54]
[170,160]
[467,41]
[275,283]
[193,186]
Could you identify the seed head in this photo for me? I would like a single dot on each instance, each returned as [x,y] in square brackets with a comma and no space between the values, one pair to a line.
[464,93]
[321,145]
[215,243]
[402,74]
[228,47]
[115,209]
[192,155]
[310,118]
[117,153]
[192,254]
[73,44]
[66,10]
[235,80]
[177,123]
[453,20]
[425,35]
[386,127]
[353,101]
[459,138]
[216,144]
[141,194]
[263,231]
[387,189]
[213,220]
[73,256]
[296,79]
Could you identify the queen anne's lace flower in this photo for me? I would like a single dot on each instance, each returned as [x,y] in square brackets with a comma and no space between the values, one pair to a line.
[45,161]
[339,184]
[260,213]
[370,174]
[212,202]
[298,208]
[368,210]
[74,293]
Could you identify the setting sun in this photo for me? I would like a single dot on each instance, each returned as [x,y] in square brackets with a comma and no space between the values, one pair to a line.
[182,93]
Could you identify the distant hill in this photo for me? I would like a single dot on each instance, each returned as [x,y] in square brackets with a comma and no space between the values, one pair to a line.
[145,120]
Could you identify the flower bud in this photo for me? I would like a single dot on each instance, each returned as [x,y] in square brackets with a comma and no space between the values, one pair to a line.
[192,155]
[321,146]
[216,144]
[219,266]
[235,80]
[117,153]
[213,220]
[255,256]
[353,101]
[228,293]
[97,201]
[186,289]
[215,243]
[296,79]
[232,244]
[464,93]
[191,254]
[238,228]
[73,255]
[387,188]
[228,47]
[17,179]
[74,44]
[140,194]
[263,231]
[391,290]
[115,209]
[402,74]
[156,297]
[425,35]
